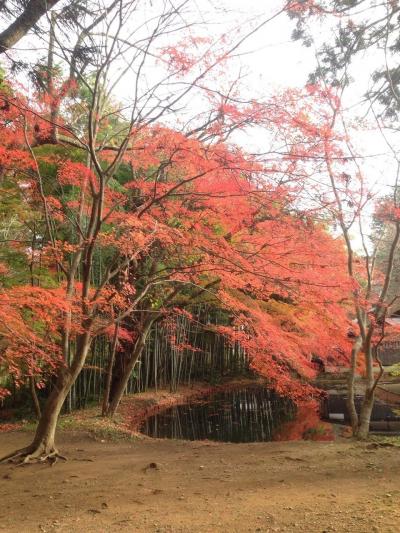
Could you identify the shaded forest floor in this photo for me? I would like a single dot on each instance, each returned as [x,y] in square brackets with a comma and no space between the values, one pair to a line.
[204,486]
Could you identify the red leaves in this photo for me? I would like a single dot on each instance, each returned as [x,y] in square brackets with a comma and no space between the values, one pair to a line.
[194,215]
[178,59]
[15,159]
[76,174]
[309,7]
[240,234]
[185,55]
[387,211]
[30,319]
[122,335]
[4,428]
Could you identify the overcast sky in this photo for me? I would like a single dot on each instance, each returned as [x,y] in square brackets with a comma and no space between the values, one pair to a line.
[272,62]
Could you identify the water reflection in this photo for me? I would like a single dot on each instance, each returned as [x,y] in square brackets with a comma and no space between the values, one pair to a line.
[252,414]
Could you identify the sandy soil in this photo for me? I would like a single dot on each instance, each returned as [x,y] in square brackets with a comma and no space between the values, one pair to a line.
[202,487]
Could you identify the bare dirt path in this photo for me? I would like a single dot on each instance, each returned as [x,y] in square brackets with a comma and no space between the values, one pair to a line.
[202,487]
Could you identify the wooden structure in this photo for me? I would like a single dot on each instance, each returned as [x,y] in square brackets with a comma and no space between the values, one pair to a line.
[389,352]
[389,349]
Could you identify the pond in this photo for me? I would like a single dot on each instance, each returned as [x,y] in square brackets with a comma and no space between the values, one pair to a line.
[250,414]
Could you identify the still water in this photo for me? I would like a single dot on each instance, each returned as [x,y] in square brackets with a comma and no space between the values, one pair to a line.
[251,414]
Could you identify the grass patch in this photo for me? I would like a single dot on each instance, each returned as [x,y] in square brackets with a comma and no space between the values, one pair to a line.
[394,370]
[90,422]
[98,427]
[386,439]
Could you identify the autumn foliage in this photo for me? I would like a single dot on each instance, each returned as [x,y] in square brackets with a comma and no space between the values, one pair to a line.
[184,218]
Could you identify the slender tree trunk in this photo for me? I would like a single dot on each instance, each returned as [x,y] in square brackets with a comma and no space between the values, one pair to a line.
[54,98]
[107,388]
[351,385]
[35,399]
[369,396]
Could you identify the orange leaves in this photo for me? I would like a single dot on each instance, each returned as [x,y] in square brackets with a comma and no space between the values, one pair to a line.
[304,7]
[59,251]
[76,174]
[180,215]
[30,319]
[185,55]
[15,159]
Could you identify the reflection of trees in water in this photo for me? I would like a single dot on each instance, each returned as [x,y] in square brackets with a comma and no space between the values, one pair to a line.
[306,425]
[252,414]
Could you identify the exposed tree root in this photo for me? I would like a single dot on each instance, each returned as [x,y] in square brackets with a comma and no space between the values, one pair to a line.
[31,454]
[38,457]
[16,455]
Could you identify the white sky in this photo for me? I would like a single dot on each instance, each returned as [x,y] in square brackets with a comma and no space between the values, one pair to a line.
[275,61]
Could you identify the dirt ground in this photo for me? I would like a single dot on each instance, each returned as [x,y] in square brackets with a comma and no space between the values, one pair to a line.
[150,485]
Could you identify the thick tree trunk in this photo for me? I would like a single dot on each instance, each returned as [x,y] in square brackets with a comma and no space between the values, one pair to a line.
[33,11]
[46,429]
[43,445]
[365,415]
[120,386]
[122,383]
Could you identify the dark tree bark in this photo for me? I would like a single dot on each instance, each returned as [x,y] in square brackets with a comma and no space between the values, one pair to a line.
[125,370]
[123,378]
[109,375]
[33,11]
[35,399]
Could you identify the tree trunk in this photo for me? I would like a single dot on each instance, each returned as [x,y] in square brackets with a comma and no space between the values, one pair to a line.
[107,388]
[35,399]
[120,386]
[351,383]
[369,395]
[124,378]
[365,415]
[43,445]
[54,98]
[33,11]
[46,429]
